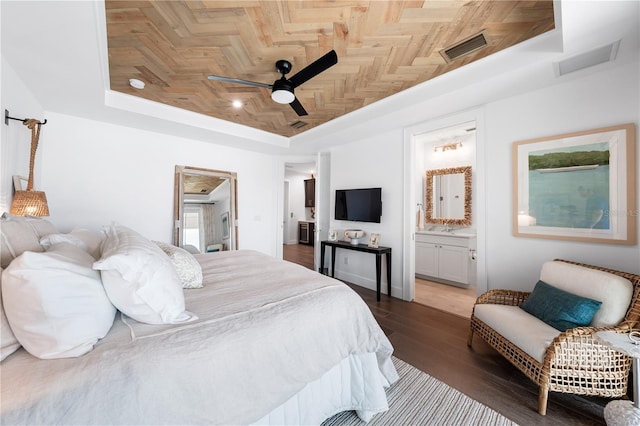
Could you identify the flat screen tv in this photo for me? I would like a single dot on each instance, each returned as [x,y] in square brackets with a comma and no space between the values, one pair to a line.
[359,205]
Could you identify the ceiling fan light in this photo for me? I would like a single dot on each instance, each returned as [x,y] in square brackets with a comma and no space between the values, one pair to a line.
[282,96]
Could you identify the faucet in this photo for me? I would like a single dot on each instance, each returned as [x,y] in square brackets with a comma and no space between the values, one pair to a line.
[447,228]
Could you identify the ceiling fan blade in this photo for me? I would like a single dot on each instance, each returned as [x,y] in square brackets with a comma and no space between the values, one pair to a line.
[314,68]
[236,80]
[298,108]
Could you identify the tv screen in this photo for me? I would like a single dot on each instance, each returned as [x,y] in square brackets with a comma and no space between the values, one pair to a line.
[359,205]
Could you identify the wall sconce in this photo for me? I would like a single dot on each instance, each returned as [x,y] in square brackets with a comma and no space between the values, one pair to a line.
[448,147]
[29,202]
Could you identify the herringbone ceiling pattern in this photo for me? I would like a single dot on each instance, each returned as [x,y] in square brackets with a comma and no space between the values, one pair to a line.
[383,47]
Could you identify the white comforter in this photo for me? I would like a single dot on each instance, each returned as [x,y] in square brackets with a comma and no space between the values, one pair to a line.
[265,329]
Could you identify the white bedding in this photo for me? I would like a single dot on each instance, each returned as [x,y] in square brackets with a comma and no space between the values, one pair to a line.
[266,329]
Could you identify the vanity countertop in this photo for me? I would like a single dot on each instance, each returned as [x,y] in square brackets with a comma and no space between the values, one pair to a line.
[463,233]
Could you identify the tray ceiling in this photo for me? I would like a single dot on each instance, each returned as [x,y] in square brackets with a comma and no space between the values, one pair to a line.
[383,47]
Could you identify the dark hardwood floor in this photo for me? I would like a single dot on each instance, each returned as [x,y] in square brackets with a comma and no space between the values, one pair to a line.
[301,254]
[436,343]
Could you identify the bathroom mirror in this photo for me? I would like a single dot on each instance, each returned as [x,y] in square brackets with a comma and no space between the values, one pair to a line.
[448,196]
[205,209]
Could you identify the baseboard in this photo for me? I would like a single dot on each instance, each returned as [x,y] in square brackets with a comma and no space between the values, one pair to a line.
[369,283]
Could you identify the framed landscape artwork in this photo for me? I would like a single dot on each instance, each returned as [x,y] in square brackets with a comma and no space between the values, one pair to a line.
[577,186]
[225,225]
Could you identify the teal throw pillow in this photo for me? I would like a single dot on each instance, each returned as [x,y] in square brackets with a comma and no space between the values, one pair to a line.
[560,309]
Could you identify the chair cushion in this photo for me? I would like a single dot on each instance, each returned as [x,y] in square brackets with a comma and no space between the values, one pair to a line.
[522,329]
[560,309]
[613,291]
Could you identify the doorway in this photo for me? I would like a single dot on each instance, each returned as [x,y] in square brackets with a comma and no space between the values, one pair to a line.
[298,214]
[441,154]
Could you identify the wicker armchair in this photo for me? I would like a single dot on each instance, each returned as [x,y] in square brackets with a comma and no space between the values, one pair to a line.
[574,362]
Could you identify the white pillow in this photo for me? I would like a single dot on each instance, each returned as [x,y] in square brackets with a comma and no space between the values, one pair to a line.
[140,279]
[55,302]
[8,342]
[188,268]
[87,240]
[614,291]
[20,234]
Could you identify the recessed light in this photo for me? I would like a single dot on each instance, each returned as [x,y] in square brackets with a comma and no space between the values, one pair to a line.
[237,104]
[136,84]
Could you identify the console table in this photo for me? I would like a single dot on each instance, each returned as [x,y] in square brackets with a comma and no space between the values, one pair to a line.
[379,251]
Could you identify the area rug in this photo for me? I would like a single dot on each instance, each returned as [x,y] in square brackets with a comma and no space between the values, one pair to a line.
[419,399]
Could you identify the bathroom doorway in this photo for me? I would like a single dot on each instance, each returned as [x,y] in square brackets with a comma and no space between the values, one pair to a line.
[445,242]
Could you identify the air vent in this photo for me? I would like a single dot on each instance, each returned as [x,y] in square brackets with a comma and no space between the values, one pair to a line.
[465,47]
[588,59]
[298,124]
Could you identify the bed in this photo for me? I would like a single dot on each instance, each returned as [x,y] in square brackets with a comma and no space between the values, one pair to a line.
[268,342]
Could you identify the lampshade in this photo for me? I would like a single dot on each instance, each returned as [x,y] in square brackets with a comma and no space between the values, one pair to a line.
[29,203]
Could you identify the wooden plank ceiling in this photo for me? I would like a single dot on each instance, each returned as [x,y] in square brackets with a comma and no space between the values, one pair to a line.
[383,47]
[197,184]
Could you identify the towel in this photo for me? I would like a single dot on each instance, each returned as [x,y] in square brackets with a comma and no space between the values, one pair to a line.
[420,218]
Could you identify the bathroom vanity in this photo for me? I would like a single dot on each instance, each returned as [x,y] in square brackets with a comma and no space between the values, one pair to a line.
[447,257]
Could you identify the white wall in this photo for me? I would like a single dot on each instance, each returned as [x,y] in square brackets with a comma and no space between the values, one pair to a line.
[370,163]
[428,159]
[594,100]
[15,138]
[95,173]
[599,100]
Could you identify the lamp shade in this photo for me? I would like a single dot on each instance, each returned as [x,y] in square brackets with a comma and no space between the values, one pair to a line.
[29,203]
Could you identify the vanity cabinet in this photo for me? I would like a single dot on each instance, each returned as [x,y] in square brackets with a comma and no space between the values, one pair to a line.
[446,258]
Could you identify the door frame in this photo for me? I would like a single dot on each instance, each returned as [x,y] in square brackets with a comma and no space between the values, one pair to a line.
[409,216]
[282,164]
[323,202]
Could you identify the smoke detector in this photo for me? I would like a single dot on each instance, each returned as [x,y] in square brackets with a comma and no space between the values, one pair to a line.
[136,84]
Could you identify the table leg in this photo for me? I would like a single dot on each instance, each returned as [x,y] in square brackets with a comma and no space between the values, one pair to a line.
[333,261]
[322,247]
[378,268]
[636,382]
[389,274]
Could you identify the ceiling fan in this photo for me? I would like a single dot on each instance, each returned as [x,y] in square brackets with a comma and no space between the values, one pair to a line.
[282,89]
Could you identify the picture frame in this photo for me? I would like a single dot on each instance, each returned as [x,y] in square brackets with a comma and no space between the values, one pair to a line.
[333,235]
[225,225]
[19,183]
[374,240]
[577,186]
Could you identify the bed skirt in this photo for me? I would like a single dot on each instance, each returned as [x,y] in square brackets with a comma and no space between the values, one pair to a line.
[356,383]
